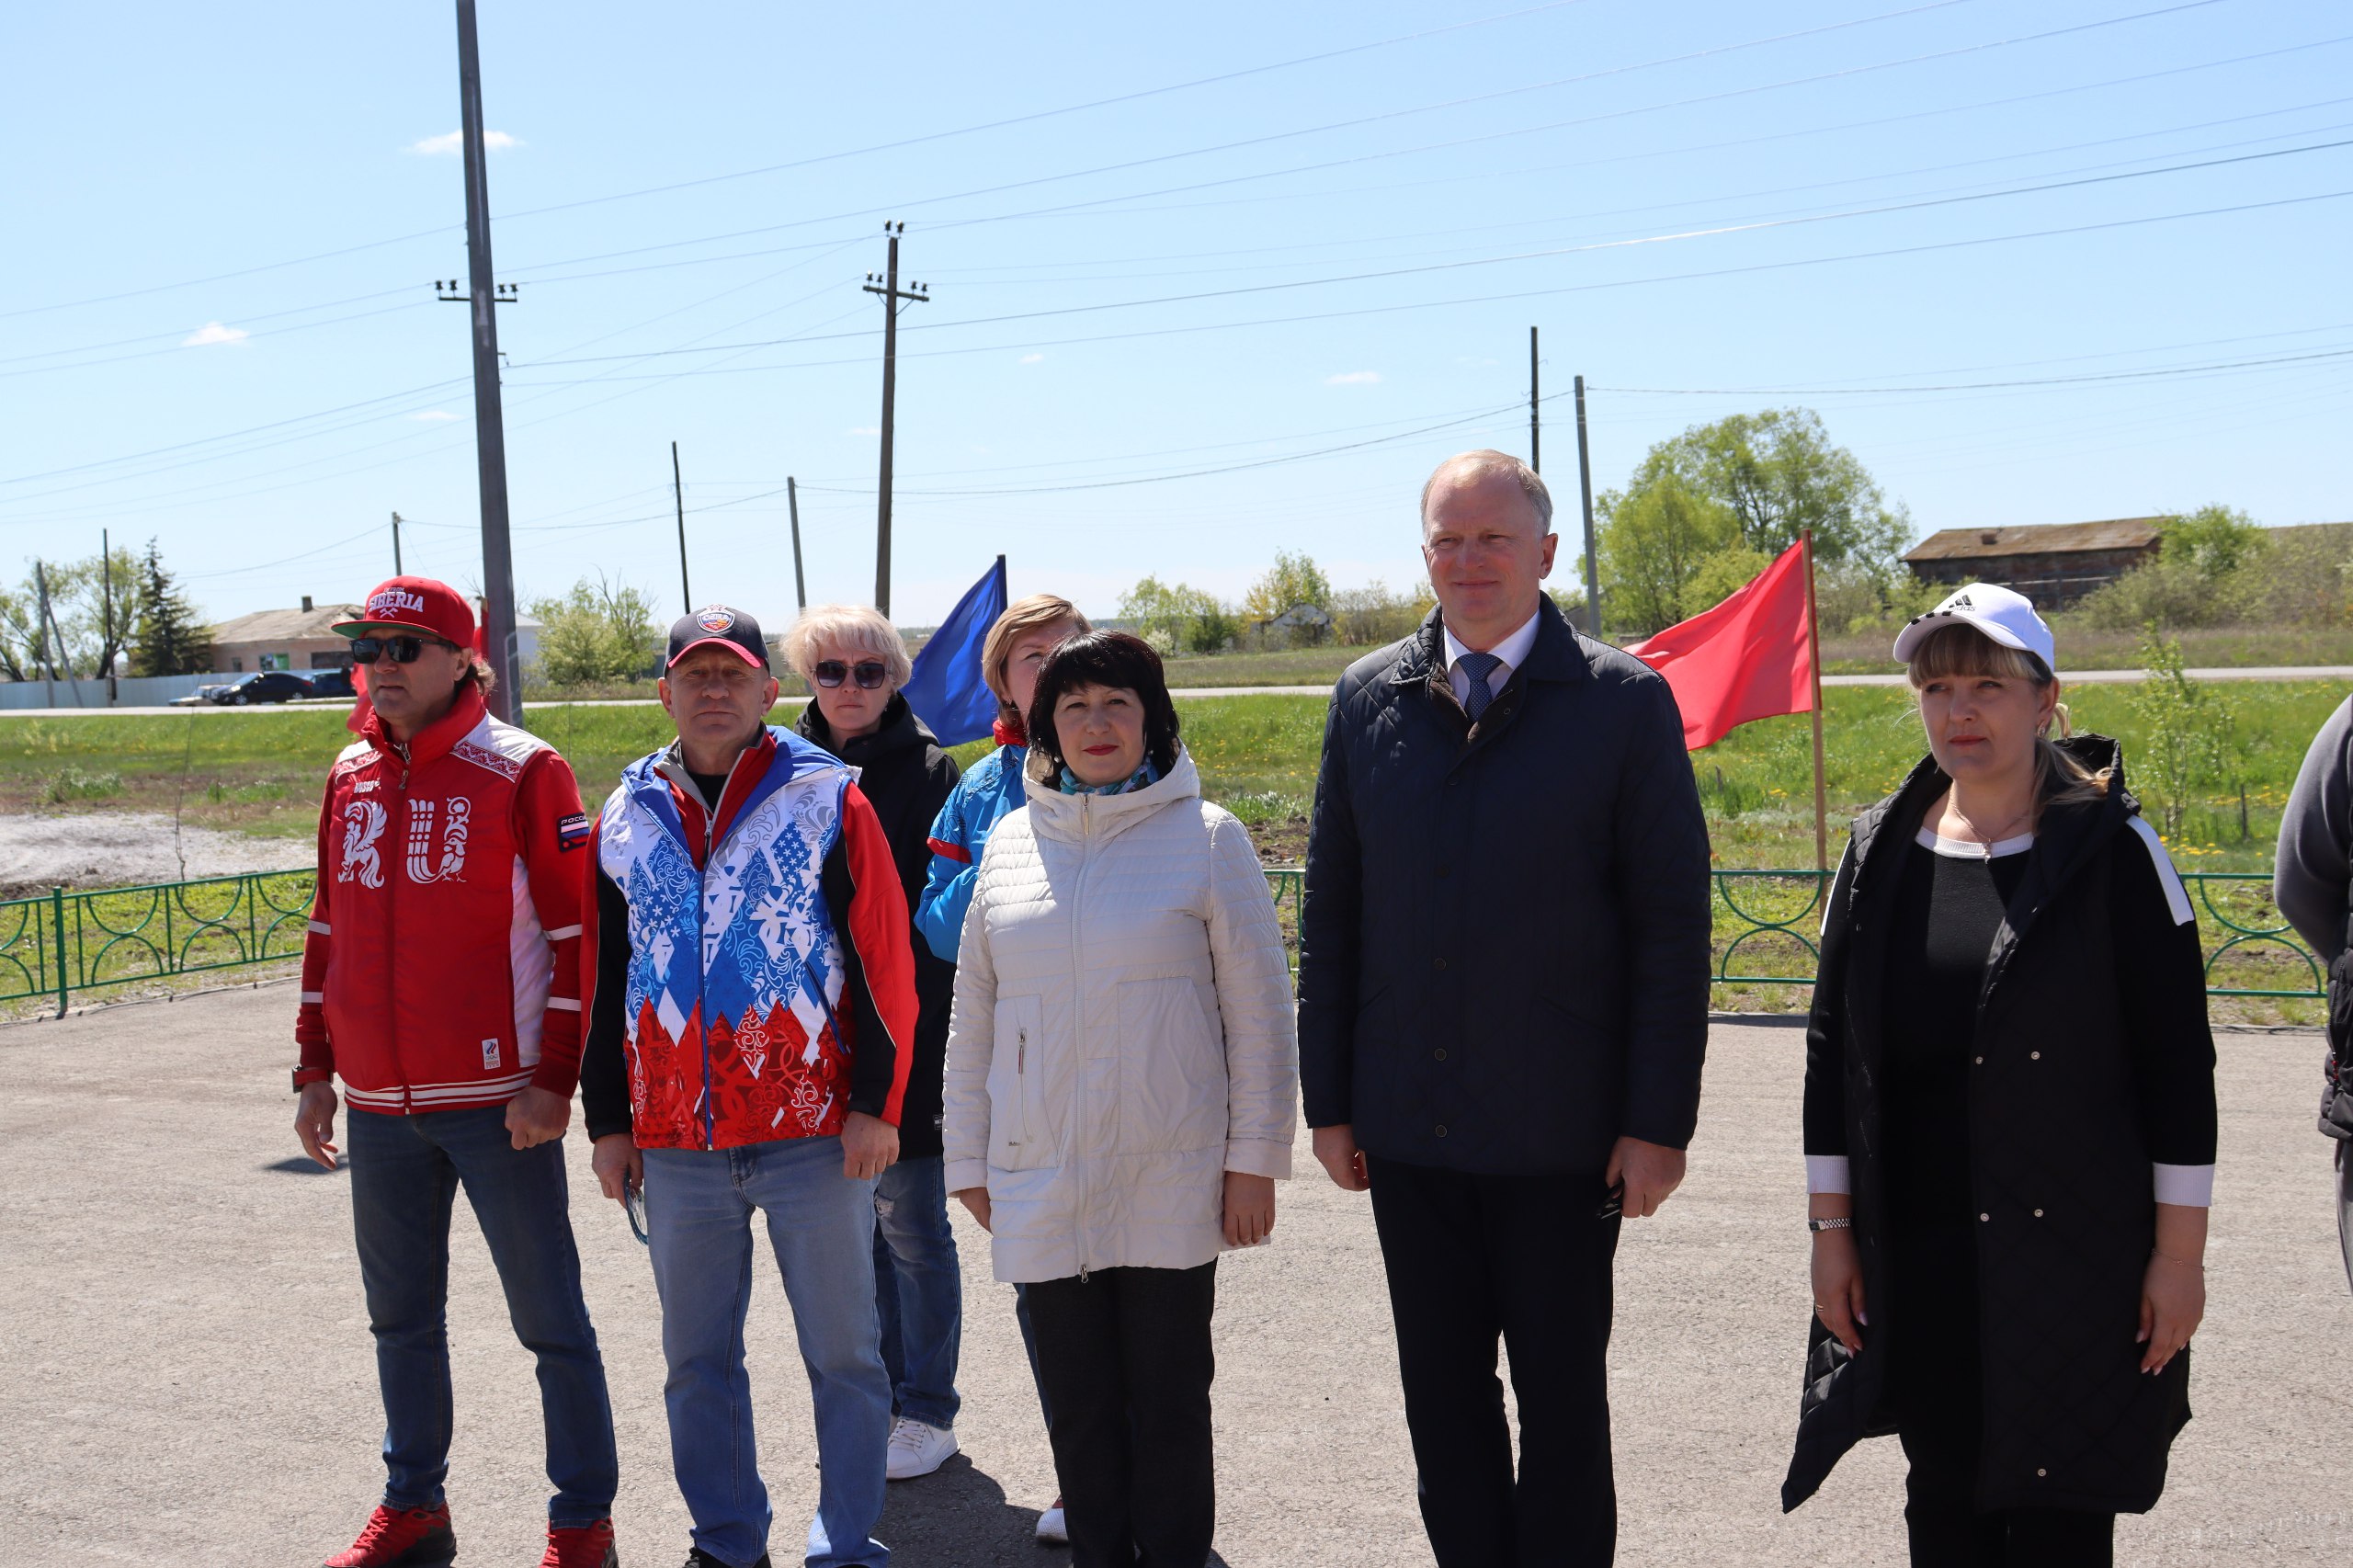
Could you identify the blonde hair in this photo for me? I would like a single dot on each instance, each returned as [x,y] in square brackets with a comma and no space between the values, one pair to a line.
[1020,618]
[861,627]
[1962,650]
[1485,463]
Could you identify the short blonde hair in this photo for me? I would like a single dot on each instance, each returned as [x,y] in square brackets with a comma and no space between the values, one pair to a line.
[1486,463]
[1020,616]
[861,627]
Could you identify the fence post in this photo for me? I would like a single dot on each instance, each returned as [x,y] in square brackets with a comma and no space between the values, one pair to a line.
[57,912]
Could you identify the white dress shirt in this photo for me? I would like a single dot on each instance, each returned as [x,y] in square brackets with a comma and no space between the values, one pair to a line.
[1513,650]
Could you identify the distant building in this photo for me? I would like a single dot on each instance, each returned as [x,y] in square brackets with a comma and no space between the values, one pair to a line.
[305,639]
[2052,563]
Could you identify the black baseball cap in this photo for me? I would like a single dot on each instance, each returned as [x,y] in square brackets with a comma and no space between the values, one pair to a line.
[722,625]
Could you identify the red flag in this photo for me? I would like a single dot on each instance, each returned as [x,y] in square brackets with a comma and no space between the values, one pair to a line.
[360,706]
[1750,657]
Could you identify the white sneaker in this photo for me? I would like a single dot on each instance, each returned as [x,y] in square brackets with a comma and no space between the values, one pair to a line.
[1054,1529]
[916,1449]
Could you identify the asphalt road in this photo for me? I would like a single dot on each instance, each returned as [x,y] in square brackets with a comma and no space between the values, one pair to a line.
[188,1378]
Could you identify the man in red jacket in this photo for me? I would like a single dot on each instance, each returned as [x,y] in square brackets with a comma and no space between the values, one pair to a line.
[442,982]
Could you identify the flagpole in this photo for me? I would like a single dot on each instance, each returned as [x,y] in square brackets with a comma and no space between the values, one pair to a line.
[1813,657]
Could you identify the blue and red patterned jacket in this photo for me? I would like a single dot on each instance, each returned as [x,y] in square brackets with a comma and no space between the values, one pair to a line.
[752,976]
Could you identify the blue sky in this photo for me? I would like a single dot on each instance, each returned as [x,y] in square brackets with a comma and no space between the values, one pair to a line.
[1302,245]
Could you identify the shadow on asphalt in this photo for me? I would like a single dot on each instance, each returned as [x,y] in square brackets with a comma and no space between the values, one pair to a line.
[958,1515]
[302,1165]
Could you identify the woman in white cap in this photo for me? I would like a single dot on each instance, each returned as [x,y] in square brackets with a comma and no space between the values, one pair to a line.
[2009,1121]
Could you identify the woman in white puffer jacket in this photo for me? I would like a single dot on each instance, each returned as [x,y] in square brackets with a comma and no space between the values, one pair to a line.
[1122,1071]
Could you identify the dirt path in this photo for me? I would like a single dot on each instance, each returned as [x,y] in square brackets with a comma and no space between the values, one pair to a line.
[90,849]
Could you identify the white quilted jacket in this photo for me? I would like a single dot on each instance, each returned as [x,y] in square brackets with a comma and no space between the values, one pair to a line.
[1123,1032]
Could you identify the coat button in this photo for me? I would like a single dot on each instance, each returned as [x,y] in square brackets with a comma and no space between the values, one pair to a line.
[1442,1130]
[1984,1217]
[2034,1056]
[1441,1053]
[2041,1471]
[1438,962]
[1980,1062]
[2038,1214]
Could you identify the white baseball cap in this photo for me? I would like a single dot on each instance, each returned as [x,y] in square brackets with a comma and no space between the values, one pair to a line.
[2000,613]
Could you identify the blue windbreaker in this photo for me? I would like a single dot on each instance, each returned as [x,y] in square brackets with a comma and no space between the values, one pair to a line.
[985,796]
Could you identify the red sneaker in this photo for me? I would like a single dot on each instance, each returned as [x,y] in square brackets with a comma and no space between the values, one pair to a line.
[401,1538]
[581,1546]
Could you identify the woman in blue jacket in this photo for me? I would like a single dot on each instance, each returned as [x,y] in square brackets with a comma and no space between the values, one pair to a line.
[1016,650]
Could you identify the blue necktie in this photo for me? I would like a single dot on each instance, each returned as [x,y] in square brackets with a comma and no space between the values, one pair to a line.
[1478,666]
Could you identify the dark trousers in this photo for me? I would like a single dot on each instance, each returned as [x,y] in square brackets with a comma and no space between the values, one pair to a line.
[2345,1205]
[1124,1356]
[1935,1369]
[1524,1259]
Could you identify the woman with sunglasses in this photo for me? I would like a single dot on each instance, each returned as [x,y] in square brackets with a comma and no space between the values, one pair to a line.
[855,663]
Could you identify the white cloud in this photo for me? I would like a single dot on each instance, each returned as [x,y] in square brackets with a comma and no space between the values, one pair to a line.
[1353,378]
[1031,359]
[434,415]
[212,332]
[450,144]
[865,430]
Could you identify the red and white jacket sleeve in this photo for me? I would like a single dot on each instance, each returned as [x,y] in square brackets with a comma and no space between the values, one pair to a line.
[316,1063]
[869,907]
[553,836]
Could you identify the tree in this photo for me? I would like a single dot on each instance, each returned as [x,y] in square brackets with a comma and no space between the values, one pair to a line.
[2190,739]
[85,631]
[1182,617]
[597,634]
[1653,539]
[171,637]
[2203,577]
[2217,540]
[1378,613]
[1291,580]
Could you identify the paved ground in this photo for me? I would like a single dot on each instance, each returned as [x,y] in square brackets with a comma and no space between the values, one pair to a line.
[188,1377]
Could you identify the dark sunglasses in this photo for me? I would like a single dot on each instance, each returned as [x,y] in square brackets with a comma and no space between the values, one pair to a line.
[870,674]
[400,650]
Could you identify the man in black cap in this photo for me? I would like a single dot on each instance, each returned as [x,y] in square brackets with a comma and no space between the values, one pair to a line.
[751,1012]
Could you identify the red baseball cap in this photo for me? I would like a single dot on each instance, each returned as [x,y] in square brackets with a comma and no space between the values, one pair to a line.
[416,604]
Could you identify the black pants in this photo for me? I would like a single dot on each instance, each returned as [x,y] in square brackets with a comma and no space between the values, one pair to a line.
[1935,1366]
[1526,1259]
[1124,1358]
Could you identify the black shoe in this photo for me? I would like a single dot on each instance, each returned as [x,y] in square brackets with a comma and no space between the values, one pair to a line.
[698,1558]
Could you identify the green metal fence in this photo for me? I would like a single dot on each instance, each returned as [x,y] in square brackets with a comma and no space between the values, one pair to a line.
[1765,932]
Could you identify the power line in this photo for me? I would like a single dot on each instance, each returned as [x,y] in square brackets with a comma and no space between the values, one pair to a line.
[2155,373]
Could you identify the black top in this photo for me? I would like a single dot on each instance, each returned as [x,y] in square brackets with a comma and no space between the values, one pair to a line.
[1503,951]
[712,785]
[1947,908]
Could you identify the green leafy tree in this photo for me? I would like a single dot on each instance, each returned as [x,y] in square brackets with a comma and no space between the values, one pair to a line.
[597,633]
[1653,539]
[1178,617]
[2215,566]
[170,636]
[1377,613]
[84,632]
[1291,580]
[2216,539]
[2190,737]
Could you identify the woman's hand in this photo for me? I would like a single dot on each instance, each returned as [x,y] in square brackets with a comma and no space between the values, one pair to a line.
[1249,1208]
[2173,1302]
[976,1200]
[1838,1287]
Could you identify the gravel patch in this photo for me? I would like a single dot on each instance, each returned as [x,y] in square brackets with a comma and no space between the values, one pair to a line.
[98,849]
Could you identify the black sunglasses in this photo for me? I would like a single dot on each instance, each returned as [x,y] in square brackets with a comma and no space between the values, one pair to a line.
[870,674]
[400,650]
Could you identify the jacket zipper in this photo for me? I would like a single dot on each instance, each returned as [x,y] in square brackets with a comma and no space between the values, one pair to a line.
[391,895]
[1077,1118]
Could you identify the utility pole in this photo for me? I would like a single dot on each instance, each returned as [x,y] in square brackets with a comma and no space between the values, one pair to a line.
[106,587]
[800,583]
[1584,488]
[43,659]
[490,427]
[678,492]
[888,286]
[1534,431]
[398,571]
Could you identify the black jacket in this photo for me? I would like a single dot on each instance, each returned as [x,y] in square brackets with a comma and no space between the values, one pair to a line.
[905,776]
[2065,1108]
[1503,948]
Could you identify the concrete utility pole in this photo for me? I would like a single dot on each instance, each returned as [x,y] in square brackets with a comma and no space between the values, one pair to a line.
[887,286]
[678,491]
[106,587]
[490,427]
[398,571]
[1584,489]
[800,583]
[1535,427]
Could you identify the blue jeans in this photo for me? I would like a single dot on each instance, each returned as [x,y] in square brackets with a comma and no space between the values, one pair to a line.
[405,1172]
[699,1209]
[919,1290]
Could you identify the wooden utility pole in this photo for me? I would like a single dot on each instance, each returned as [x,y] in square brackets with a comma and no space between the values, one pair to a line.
[1535,427]
[1585,490]
[1813,657]
[887,286]
[800,583]
[398,571]
[106,587]
[482,297]
[679,490]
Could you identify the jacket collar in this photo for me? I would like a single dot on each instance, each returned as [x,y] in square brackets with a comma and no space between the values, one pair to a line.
[433,742]
[661,784]
[1557,655]
[900,731]
[1102,816]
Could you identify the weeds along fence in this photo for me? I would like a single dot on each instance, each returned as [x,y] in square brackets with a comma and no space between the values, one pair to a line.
[60,944]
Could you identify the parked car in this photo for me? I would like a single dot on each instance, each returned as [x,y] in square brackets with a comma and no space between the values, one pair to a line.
[209,692]
[331,683]
[264,685]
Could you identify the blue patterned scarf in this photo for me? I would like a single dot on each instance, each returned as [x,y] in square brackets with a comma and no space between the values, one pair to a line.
[1146,774]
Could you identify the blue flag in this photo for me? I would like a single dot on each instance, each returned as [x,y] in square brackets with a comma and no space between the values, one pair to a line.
[947,689]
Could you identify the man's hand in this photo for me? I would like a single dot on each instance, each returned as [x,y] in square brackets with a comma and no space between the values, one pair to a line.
[870,1146]
[1249,1208]
[618,1165]
[976,1200]
[1838,1287]
[1650,1171]
[1336,1152]
[314,1123]
[537,1116]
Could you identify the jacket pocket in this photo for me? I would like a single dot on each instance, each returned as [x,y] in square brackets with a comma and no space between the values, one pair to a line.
[1021,1135]
[1172,1069]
